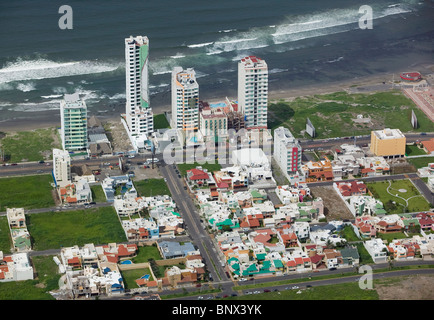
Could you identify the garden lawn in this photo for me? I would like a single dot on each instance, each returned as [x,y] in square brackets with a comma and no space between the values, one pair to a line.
[130,277]
[28,192]
[379,190]
[151,187]
[332,114]
[411,150]
[211,167]
[420,162]
[53,230]
[160,122]
[145,253]
[30,145]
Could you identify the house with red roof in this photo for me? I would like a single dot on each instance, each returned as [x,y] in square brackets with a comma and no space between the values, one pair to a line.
[428,146]
[198,176]
[426,221]
[332,258]
[387,227]
[365,227]
[403,249]
[298,261]
[353,188]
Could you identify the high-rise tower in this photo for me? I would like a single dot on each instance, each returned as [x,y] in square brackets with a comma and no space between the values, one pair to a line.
[185,100]
[73,118]
[139,117]
[253,91]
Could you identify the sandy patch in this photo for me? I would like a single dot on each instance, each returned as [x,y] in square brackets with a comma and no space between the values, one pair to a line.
[418,287]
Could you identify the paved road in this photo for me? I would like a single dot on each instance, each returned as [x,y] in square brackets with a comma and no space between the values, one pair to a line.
[195,228]
[303,283]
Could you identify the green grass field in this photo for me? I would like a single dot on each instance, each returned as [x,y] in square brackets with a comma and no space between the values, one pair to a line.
[97,193]
[30,145]
[145,253]
[332,114]
[160,122]
[53,230]
[344,291]
[420,162]
[151,187]
[5,239]
[379,190]
[28,192]
[411,150]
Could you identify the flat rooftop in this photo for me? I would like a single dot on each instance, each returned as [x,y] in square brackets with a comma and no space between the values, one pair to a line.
[388,134]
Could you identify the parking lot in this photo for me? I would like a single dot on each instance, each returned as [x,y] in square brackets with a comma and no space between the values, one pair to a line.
[137,166]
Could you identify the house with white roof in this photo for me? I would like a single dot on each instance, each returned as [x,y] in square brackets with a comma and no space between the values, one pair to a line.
[377,249]
[15,267]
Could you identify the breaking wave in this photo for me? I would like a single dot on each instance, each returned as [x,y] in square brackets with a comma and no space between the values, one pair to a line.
[21,70]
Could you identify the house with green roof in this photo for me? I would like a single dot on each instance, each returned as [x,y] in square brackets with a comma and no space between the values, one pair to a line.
[350,256]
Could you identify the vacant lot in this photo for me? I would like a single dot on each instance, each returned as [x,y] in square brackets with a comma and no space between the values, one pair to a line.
[334,206]
[160,122]
[32,145]
[406,288]
[5,239]
[97,193]
[398,195]
[53,230]
[151,187]
[28,192]
[332,114]
[118,136]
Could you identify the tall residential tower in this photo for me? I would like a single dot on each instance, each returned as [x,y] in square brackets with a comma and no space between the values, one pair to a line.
[253,91]
[73,117]
[138,115]
[185,100]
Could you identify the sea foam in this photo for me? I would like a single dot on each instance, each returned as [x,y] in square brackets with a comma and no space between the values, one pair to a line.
[21,70]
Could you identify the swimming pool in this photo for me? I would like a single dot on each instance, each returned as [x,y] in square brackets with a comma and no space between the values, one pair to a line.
[127,262]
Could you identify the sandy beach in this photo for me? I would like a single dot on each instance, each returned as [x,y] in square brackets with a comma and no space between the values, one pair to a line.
[372,83]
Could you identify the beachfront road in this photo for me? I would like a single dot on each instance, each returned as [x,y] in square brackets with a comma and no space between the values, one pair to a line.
[32,168]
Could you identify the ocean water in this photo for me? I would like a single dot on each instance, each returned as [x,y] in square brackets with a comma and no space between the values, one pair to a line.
[303,42]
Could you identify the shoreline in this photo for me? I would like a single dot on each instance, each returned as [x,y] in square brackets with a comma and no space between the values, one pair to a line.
[371,83]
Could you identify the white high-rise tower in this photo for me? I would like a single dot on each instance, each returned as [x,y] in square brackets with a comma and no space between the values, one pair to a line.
[253,91]
[139,117]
